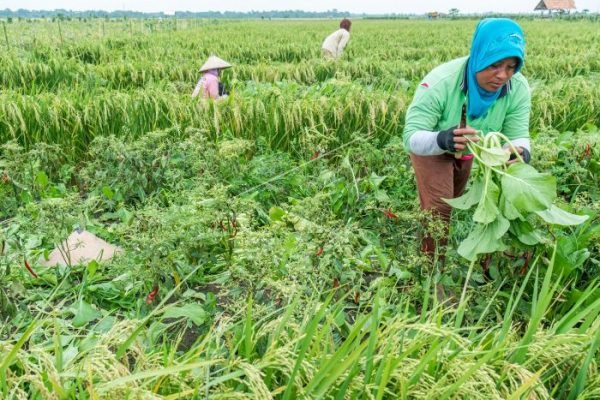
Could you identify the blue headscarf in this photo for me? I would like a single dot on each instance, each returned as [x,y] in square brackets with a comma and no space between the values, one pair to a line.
[494,39]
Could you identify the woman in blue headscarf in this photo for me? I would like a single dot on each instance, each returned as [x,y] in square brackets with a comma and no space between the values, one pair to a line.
[483,91]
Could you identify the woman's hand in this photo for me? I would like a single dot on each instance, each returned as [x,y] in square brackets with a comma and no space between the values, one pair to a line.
[523,152]
[455,139]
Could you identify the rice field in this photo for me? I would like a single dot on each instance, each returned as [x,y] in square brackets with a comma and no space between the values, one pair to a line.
[270,239]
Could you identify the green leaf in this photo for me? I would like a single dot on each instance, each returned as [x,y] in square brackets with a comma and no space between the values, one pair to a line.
[494,273]
[508,210]
[470,198]
[340,318]
[42,179]
[85,313]
[208,202]
[557,216]
[69,354]
[527,189]
[381,196]
[276,213]
[400,274]
[484,239]
[526,233]
[487,210]
[92,267]
[191,311]
[107,192]
[570,255]
[493,156]
[376,180]
[105,324]
[290,242]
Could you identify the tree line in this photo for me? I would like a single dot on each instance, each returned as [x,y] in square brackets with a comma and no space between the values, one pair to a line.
[62,13]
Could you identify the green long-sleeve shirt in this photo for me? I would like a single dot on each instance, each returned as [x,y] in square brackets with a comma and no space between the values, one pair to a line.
[438,102]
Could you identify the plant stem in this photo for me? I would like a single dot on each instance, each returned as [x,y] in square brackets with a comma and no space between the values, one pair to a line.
[60,32]
[461,304]
[5,35]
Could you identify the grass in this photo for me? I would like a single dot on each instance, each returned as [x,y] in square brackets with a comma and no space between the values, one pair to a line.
[396,354]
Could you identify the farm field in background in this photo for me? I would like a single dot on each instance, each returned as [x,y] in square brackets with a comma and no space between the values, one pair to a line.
[270,239]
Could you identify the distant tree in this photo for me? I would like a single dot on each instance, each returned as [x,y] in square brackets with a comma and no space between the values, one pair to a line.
[66,15]
[453,12]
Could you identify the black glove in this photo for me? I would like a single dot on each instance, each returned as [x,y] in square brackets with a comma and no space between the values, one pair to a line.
[222,89]
[526,156]
[445,139]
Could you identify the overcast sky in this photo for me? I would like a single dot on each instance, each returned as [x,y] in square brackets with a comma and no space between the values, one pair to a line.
[354,6]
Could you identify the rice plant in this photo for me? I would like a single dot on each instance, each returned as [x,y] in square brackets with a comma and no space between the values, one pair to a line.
[270,238]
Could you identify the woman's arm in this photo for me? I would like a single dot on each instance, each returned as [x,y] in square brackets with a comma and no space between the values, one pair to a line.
[345,37]
[421,134]
[421,119]
[197,88]
[208,86]
[516,121]
[424,143]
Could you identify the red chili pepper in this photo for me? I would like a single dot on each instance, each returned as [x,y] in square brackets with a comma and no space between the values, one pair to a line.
[319,252]
[389,214]
[525,266]
[31,271]
[151,295]
[587,151]
[316,155]
[485,265]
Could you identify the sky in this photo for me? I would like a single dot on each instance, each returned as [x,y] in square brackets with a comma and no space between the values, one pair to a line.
[353,6]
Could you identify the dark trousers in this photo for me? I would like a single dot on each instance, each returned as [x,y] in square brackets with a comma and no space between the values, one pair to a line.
[442,176]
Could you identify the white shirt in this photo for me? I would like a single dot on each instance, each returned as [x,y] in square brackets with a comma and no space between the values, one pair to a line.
[336,42]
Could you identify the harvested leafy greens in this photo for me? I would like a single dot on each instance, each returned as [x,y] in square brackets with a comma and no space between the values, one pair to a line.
[510,200]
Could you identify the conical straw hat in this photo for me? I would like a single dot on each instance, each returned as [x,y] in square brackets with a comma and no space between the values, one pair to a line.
[214,62]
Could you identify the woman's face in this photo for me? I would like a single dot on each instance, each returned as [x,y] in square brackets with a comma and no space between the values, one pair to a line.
[497,75]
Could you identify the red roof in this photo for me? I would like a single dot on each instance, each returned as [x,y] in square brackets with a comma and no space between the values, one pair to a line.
[555,5]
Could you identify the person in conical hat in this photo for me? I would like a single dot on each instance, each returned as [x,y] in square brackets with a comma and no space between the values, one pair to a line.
[209,84]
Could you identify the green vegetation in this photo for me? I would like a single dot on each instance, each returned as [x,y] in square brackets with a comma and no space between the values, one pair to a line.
[271,239]
[509,198]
